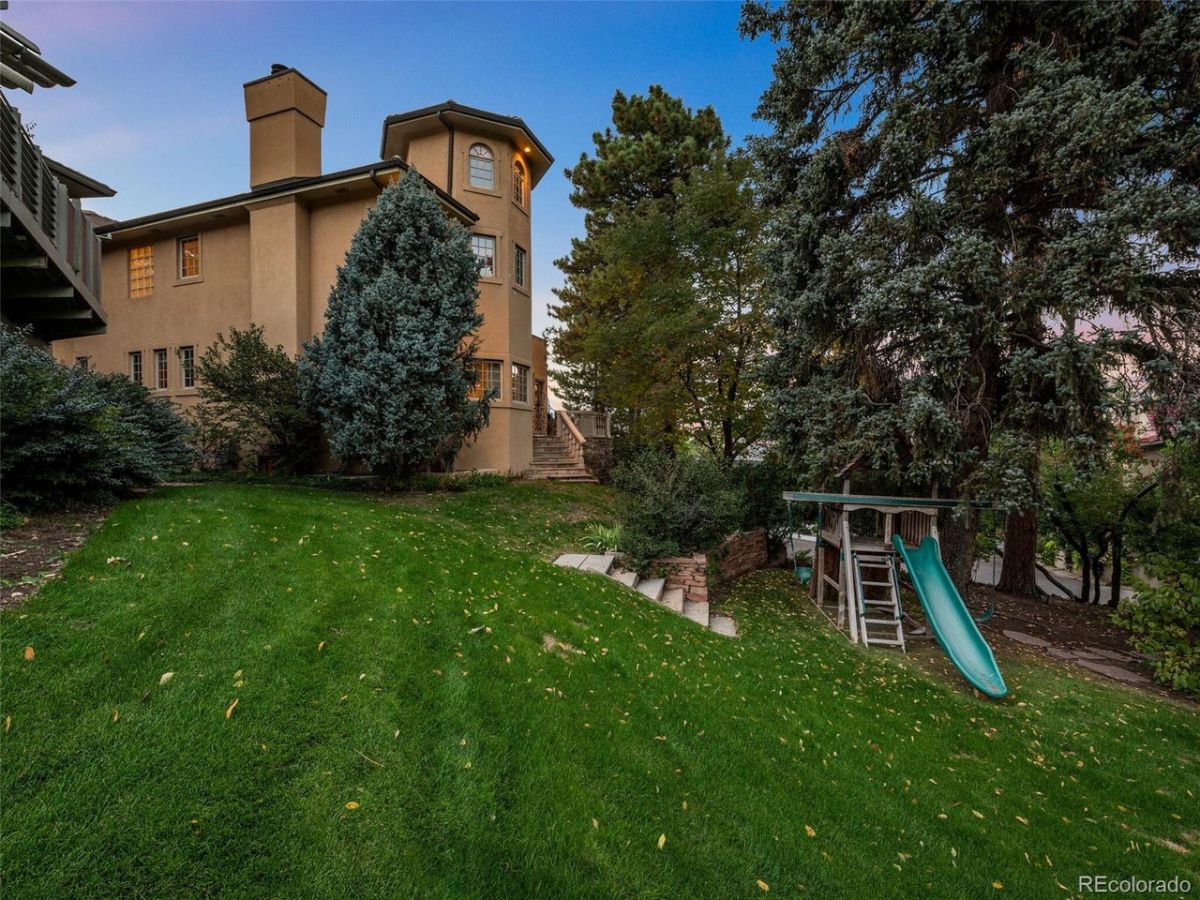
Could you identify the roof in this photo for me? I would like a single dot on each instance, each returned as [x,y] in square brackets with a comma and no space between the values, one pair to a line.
[875,500]
[280,188]
[450,110]
[77,184]
[22,64]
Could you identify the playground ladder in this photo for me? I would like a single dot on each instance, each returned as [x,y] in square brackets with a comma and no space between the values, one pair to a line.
[880,618]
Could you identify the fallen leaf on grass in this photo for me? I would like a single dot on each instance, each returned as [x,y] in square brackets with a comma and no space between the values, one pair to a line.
[321,646]
[8,725]
[810,831]
[352,805]
[662,839]
[116,714]
[166,676]
[762,885]
[28,653]
[232,707]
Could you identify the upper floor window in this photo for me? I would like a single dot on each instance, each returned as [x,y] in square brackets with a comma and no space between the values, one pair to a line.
[484,248]
[135,366]
[519,182]
[520,383]
[481,166]
[519,265]
[487,379]
[160,370]
[187,366]
[188,253]
[141,271]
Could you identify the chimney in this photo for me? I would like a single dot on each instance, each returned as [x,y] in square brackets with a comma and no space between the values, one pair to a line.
[286,113]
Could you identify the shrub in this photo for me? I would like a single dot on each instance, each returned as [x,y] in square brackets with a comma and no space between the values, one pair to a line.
[764,483]
[600,538]
[252,410]
[1164,621]
[674,505]
[70,434]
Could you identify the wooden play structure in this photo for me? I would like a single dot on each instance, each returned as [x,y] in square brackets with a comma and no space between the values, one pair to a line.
[863,545]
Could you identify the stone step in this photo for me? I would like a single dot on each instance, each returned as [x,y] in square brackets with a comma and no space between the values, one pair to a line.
[573,479]
[629,579]
[571,560]
[599,563]
[697,611]
[652,588]
[672,599]
[722,624]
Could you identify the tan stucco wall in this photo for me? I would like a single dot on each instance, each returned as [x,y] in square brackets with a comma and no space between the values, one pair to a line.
[178,313]
[276,265]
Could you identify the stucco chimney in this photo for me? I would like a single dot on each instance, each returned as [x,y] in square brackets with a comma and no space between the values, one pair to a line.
[286,113]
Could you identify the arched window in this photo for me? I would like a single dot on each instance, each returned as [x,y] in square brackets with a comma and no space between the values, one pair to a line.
[481,164]
[519,182]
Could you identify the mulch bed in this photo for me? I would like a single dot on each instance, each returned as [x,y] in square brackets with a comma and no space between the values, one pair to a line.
[32,554]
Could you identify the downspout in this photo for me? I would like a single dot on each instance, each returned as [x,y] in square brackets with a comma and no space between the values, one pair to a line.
[449,154]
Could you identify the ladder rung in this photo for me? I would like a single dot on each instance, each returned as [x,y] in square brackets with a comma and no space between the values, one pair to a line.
[888,603]
[890,643]
[881,621]
[877,583]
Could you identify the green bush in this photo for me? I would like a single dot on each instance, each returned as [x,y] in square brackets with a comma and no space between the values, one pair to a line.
[71,434]
[252,412]
[763,484]
[674,505]
[1164,622]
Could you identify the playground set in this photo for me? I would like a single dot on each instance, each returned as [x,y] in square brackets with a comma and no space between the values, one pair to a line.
[857,573]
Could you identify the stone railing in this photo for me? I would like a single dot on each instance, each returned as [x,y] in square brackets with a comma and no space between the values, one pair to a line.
[591,423]
[569,431]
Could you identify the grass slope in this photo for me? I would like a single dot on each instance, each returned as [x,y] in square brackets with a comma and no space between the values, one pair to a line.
[390,654]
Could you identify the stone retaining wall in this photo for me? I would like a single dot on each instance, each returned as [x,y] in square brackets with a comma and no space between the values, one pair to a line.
[695,574]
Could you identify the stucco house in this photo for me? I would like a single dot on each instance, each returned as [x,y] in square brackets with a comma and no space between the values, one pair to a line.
[175,279]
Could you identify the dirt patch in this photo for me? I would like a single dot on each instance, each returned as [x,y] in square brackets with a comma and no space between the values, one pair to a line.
[1069,626]
[32,554]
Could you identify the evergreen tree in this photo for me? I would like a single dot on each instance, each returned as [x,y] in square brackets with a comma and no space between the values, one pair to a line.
[977,208]
[663,317]
[390,374]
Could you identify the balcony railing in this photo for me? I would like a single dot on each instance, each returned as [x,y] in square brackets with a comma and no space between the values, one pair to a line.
[59,217]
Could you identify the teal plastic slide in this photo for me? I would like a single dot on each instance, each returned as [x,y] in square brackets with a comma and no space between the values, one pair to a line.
[949,617]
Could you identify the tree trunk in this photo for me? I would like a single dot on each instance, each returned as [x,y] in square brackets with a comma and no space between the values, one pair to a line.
[1017,574]
[957,539]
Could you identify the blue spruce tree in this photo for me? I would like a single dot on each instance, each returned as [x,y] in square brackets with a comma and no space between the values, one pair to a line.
[390,375]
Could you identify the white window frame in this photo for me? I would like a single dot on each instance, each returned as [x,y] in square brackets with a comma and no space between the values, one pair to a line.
[490,156]
[162,371]
[489,272]
[520,383]
[520,266]
[187,366]
[179,274]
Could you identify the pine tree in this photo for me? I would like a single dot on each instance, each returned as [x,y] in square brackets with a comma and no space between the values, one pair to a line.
[390,374]
[978,209]
[662,312]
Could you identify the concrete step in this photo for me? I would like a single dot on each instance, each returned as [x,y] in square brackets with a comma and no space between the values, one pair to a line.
[583,478]
[672,599]
[629,579]
[722,624]
[571,560]
[697,611]
[599,563]
[652,588]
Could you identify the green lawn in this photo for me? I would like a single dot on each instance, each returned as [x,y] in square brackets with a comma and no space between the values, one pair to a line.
[389,654]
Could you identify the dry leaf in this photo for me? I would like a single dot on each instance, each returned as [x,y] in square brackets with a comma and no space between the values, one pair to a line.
[595,824]
[321,646]
[116,714]
[8,725]
[232,707]
[662,839]
[352,805]
[28,653]
[997,885]
[810,831]
[762,885]
[166,676]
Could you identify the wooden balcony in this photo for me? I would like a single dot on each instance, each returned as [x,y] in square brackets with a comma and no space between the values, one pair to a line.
[49,254]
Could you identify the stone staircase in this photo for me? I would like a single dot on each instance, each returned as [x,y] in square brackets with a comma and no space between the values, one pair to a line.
[557,460]
[654,589]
